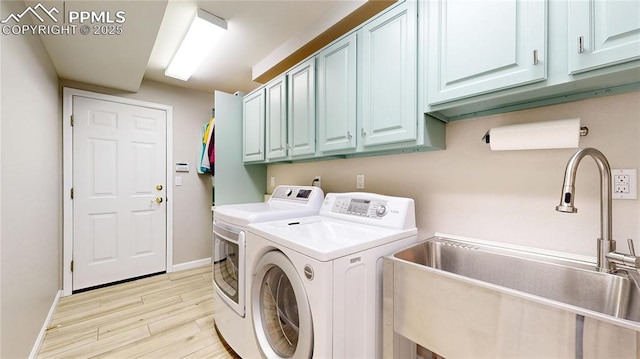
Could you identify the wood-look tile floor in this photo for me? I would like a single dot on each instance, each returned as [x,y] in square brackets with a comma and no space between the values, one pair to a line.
[164,316]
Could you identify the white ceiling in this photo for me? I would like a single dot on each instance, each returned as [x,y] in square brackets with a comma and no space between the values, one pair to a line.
[260,34]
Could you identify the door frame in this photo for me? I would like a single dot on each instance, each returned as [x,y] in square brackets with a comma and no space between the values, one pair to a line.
[67,176]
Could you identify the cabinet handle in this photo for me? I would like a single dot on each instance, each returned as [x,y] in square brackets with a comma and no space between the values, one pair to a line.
[362,133]
[580,44]
[535,57]
[349,135]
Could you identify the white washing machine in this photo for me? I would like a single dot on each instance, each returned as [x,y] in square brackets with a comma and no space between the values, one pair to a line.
[229,254]
[315,285]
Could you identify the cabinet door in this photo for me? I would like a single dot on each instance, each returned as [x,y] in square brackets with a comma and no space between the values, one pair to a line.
[475,47]
[276,118]
[234,182]
[302,109]
[337,95]
[388,59]
[253,126]
[602,33]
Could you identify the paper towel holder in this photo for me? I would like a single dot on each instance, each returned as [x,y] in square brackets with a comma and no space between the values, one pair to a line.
[584,131]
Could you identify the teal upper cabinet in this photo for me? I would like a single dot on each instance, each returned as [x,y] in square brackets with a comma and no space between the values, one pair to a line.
[253,126]
[387,77]
[276,119]
[357,96]
[602,33]
[475,47]
[302,110]
[337,96]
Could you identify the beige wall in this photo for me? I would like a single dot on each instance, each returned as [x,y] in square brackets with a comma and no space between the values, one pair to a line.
[31,153]
[192,226]
[507,196]
[31,143]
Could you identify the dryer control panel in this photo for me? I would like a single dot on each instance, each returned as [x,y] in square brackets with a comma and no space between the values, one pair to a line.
[296,193]
[370,208]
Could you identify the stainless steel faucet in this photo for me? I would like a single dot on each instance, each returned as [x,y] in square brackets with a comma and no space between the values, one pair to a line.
[607,256]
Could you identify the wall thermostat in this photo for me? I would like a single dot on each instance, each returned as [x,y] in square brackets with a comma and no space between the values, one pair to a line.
[182,167]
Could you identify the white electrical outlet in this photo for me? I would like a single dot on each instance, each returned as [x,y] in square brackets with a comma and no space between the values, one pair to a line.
[359,181]
[272,181]
[625,183]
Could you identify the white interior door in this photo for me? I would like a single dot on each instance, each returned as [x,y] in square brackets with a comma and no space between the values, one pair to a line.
[119,205]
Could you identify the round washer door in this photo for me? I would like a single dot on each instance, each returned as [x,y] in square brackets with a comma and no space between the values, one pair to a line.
[281,314]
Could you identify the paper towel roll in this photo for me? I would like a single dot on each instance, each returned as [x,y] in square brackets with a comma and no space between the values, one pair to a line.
[540,135]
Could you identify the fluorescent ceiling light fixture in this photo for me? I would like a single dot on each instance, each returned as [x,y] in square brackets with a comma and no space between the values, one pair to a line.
[205,31]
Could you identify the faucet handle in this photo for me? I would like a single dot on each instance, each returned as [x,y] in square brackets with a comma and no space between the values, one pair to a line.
[628,260]
[632,250]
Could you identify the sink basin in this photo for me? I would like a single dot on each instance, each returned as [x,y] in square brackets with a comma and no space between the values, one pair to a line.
[570,282]
[461,299]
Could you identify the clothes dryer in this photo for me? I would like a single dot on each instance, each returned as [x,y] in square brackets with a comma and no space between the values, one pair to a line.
[316,282]
[229,254]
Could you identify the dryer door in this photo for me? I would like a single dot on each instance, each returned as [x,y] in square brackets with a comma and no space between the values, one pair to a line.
[281,313]
[228,266]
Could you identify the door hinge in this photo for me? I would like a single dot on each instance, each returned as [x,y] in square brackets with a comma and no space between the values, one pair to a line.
[72,266]
[72,120]
[71,193]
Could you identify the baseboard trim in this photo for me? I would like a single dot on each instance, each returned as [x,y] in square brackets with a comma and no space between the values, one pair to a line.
[43,330]
[191,265]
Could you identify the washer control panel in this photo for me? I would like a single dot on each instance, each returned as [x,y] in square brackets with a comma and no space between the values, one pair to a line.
[370,208]
[360,207]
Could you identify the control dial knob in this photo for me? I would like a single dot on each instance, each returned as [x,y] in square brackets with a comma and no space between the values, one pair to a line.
[381,210]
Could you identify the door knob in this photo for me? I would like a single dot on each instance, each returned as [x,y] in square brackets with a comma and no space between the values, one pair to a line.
[158,200]
[159,187]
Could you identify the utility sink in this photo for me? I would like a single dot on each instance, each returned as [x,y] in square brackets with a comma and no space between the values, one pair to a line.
[561,280]
[459,298]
